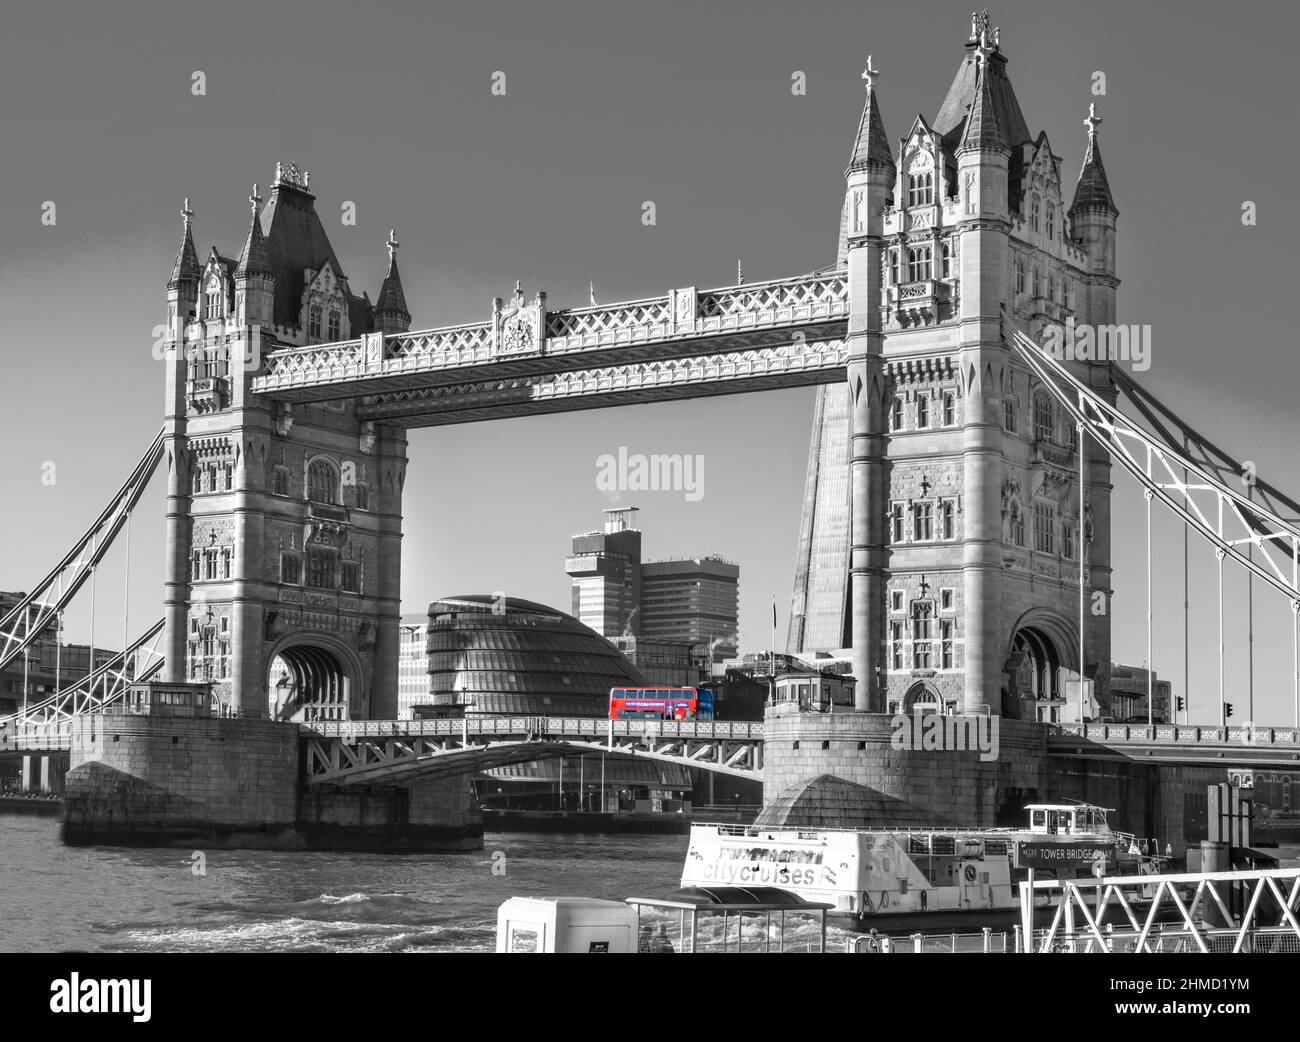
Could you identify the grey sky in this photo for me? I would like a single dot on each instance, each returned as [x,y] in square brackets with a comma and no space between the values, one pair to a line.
[609,105]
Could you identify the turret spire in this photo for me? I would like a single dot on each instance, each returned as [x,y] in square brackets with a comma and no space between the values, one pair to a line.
[254,258]
[186,267]
[871,148]
[983,129]
[391,315]
[1093,188]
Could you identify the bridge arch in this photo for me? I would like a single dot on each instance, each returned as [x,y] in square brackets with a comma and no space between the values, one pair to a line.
[313,676]
[1041,643]
[924,697]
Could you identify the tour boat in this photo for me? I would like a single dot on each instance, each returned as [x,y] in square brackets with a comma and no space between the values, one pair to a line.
[912,878]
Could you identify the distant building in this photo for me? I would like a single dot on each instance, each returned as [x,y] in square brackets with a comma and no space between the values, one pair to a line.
[412,665]
[506,655]
[694,601]
[1128,695]
[664,662]
[606,570]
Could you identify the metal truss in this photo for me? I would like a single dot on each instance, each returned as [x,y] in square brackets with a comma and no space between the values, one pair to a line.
[39,613]
[400,751]
[1190,486]
[1248,911]
[49,720]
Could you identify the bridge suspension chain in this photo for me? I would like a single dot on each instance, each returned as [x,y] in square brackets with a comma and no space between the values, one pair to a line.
[40,609]
[140,661]
[1226,518]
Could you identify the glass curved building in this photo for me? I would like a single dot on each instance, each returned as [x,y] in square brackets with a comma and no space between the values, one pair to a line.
[511,656]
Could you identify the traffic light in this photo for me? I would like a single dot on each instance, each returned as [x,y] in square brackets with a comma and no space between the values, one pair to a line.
[1227,709]
[1181,704]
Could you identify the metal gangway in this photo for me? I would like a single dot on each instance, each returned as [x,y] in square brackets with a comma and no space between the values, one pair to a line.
[1237,911]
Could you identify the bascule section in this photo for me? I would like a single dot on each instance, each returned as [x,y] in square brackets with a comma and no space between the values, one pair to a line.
[284,519]
[956,238]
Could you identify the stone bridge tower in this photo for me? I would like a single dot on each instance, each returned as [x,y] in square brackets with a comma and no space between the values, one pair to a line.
[942,525]
[283,524]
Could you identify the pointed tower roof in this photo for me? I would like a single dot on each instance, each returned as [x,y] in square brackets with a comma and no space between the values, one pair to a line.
[254,258]
[391,296]
[295,242]
[983,131]
[1093,189]
[871,148]
[961,97]
[186,267]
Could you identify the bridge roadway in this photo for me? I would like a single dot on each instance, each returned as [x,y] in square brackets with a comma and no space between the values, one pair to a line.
[394,751]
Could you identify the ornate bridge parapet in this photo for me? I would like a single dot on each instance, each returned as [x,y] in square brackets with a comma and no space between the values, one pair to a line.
[523,339]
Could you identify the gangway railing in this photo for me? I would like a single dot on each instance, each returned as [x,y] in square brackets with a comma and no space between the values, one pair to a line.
[1237,911]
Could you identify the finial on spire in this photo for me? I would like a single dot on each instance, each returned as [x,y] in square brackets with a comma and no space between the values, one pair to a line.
[187,213]
[870,74]
[740,272]
[982,29]
[392,243]
[254,200]
[1093,121]
[519,289]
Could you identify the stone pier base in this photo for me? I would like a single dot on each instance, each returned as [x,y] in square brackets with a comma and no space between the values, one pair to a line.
[215,782]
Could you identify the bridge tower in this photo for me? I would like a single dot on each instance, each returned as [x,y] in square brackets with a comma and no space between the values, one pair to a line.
[283,525]
[953,473]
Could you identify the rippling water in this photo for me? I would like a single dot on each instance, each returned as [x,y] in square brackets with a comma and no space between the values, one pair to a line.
[57,898]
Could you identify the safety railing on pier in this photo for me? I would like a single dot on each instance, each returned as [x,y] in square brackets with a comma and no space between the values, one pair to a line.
[1174,734]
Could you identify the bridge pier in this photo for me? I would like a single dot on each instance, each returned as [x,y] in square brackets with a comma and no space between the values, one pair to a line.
[853,769]
[238,783]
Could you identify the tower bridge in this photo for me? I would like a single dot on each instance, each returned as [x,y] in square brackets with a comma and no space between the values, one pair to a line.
[956,526]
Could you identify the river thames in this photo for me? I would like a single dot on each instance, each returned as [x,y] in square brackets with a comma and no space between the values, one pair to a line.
[58,898]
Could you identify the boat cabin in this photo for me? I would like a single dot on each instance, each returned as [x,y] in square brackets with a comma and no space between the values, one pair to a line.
[1068,819]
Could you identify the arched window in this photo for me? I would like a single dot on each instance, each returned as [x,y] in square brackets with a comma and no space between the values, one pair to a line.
[322,482]
[893,267]
[1017,526]
[920,263]
[313,320]
[922,521]
[922,634]
[896,415]
[920,188]
[1036,205]
[1038,283]
[896,518]
[1042,418]
[923,411]
[946,259]
[1020,276]
[1051,220]
[948,513]
[949,410]
[335,325]
[212,303]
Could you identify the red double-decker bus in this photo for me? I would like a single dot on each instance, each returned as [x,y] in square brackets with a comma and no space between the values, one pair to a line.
[660,703]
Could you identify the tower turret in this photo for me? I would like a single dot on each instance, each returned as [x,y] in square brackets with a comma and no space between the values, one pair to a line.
[183,284]
[870,178]
[391,315]
[254,276]
[1093,219]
